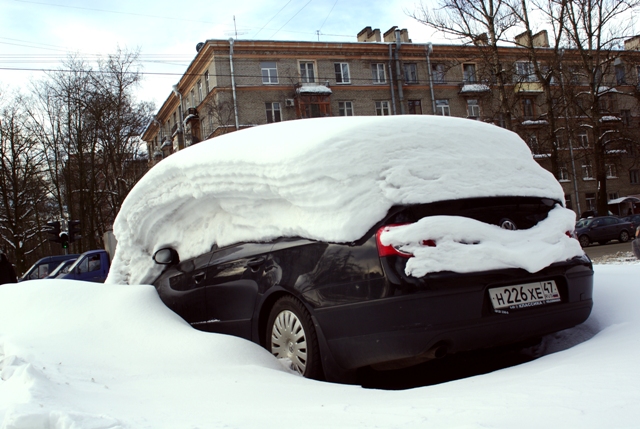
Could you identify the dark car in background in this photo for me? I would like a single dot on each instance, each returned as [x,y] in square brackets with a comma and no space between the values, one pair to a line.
[634,220]
[45,266]
[603,229]
[333,308]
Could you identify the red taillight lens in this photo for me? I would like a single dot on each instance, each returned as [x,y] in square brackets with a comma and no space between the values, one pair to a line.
[389,250]
[572,234]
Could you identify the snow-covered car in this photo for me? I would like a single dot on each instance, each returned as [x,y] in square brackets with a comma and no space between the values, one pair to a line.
[339,243]
[603,229]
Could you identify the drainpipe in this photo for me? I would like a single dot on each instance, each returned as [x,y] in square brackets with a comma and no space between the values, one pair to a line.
[428,50]
[399,75]
[180,110]
[393,93]
[233,84]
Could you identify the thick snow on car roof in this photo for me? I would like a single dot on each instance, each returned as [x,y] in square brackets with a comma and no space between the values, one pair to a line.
[328,179]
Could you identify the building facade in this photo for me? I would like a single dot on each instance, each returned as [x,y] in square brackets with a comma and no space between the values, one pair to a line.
[235,84]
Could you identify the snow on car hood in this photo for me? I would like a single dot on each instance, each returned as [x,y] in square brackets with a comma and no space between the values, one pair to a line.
[328,179]
[466,245]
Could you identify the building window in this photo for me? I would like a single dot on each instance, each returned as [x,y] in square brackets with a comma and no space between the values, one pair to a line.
[377,71]
[567,201]
[382,108]
[613,196]
[534,144]
[206,81]
[527,109]
[415,107]
[620,78]
[411,73]
[611,171]
[192,97]
[469,73]
[345,108]
[473,109]
[342,73]
[438,71]
[587,172]
[607,104]
[269,72]
[442,108]
[625,116]
[563,173]
[634,177]
[590,197]
[200,98]
[307,72]
[273,112]
[560,143]
[525,72]
[583,139]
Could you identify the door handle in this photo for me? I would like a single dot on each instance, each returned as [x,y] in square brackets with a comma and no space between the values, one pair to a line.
[256,262]
[198,277]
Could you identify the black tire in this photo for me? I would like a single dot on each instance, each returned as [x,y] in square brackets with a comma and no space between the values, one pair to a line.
[584,241]
[291,334]
[624,237]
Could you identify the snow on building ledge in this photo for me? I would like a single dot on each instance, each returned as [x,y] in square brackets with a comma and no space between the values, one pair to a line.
[610,119]
[474,87]
[313,89]
[538,122]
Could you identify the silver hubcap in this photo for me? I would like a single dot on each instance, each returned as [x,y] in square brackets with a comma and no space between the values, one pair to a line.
[288,340]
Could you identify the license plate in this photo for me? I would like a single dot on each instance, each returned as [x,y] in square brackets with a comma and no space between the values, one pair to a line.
[525,295]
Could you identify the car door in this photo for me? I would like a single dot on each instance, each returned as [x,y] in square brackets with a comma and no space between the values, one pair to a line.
[182,289]
[233,280]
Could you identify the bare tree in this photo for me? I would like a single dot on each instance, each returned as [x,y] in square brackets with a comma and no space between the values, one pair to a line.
[24,208]
[594,30]
[483,23]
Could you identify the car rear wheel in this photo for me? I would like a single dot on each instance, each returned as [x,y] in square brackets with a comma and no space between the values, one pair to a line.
[291,335]
[584,241]
[624,237]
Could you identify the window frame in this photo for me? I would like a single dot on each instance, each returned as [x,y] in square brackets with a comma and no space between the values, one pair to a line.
[304,74]
[269,74]
[439,76]
[414,107]
[273,111]
[469,78]
[444,105]
[410,73]
[378,73]
[345,108]
[471,107]
[383,106]
[343,77]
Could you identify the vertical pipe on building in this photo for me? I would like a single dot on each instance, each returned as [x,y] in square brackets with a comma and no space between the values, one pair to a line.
[428,50]
[399,75]
[233,84]
[393,93]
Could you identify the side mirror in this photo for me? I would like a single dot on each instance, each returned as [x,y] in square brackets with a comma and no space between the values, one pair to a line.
[166,256]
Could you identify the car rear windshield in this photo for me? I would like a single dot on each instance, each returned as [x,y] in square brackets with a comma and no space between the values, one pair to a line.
[525,212]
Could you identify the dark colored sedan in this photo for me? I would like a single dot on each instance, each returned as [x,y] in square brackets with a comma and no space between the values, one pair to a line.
[634,219]
[333,308]
[602,230]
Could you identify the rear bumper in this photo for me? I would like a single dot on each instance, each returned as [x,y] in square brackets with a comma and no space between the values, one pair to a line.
[453,311]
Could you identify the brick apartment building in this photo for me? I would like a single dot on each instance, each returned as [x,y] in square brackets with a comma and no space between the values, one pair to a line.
[235,84]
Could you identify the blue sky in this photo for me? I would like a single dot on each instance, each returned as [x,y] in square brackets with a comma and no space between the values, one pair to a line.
[38,34]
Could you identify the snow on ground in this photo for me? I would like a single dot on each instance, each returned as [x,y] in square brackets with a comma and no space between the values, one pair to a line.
[82,355]
[328,179]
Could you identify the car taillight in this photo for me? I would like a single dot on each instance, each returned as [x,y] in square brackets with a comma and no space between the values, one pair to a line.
[389,250]
[572,234]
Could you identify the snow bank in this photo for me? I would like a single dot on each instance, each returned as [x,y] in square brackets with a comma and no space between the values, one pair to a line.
[84,355]
[327,179]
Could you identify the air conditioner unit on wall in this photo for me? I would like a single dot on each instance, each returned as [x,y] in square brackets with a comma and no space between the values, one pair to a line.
[289,102]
